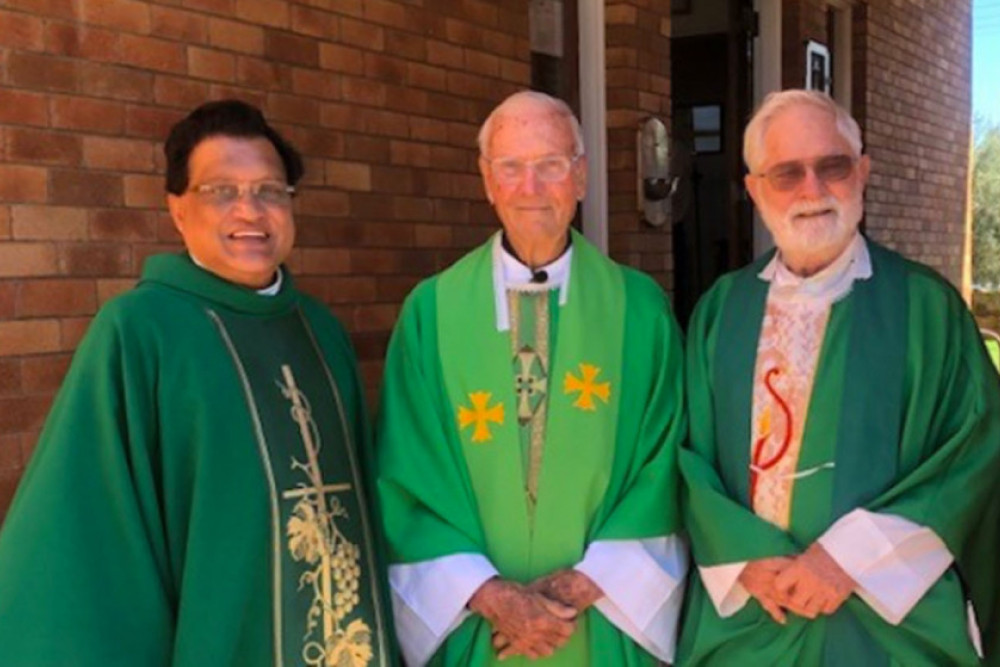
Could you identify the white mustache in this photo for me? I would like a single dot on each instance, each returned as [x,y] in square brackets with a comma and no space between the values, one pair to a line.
[813,207]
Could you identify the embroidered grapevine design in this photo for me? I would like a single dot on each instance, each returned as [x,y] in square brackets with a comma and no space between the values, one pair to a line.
[334,570]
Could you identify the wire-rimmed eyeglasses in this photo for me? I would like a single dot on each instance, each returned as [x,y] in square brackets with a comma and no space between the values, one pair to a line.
[548,169]
[266,193]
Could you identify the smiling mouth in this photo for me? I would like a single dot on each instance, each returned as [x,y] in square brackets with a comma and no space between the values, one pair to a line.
[818,213]
[249,235]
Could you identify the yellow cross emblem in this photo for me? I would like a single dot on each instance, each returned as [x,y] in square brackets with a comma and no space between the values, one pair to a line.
[480,415]
[587,387]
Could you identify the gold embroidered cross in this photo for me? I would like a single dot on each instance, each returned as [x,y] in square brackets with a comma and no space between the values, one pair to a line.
[587,387]
[480,415]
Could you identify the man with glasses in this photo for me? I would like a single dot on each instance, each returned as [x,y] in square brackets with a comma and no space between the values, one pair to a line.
[198,495]
[529,423]
[840,477]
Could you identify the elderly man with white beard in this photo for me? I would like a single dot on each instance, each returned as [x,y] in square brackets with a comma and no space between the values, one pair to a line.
[841,475]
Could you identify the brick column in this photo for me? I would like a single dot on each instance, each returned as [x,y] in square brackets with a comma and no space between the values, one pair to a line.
[638,86]
[916,116]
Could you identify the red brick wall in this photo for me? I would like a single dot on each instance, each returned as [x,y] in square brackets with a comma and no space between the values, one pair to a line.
[916,111]
[911,92]
[638,86]
[383,97]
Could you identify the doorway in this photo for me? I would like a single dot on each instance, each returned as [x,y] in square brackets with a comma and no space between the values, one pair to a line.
[712,98]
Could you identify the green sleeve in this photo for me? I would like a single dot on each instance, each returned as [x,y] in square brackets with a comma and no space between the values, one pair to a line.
[428,505]
[950,449]
[84,574]
[652,421]
[721,528]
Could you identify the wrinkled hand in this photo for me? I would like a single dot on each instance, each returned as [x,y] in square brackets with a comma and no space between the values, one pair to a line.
[570,587]
[814,584]
[524,622]
[758,578]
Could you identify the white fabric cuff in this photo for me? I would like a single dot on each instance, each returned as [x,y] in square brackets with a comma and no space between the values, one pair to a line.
[893,560]
[429,600]
[724,588]
[643,586]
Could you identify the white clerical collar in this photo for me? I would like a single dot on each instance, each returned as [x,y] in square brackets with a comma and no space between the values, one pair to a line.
[270,290]
[826,286]
[275,287]
[510,274]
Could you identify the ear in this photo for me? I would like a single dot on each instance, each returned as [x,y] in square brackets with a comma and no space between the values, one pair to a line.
[580,177]
[178,211]
[864,168]
[752,183]
[484,171]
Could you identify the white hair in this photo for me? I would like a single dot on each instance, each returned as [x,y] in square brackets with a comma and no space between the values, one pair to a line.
[553,104]
[776,102]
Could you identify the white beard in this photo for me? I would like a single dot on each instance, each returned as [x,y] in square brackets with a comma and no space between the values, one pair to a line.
[815,232]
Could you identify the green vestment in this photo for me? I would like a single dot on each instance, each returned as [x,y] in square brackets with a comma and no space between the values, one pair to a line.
[452,468]
[907,406]
[197,496]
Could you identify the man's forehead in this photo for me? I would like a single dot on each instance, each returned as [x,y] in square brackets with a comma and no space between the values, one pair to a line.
[532,124]
[224,151]
[802,131]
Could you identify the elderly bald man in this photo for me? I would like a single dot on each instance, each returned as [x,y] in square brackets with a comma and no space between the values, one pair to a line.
[530,420]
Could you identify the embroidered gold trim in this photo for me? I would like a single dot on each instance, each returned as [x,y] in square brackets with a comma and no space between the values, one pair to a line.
[538,421]
[272,487]
[381,635]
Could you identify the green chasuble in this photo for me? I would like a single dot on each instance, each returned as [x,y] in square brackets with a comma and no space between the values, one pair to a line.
[907,405]
[459,471]
[198,493]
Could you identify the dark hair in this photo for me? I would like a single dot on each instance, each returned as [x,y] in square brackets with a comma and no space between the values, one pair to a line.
[229,118]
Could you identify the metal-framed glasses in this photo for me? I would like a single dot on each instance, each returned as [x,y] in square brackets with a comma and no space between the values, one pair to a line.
[828,169]
[266,193]
[548,169]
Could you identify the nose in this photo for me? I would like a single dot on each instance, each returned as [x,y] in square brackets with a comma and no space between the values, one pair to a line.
[812,185]
[530,183]
[247,205]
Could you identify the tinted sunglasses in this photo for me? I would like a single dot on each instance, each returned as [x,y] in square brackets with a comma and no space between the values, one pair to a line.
[828,169]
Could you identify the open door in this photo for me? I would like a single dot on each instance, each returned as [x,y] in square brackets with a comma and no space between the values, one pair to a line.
[711,82]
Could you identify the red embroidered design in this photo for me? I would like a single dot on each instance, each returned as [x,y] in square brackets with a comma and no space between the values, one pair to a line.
[756,464]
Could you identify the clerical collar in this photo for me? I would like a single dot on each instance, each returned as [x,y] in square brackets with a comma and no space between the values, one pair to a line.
[539,274]
[274,287]
[518,275]
[826,286]
[270,290]
[509,273]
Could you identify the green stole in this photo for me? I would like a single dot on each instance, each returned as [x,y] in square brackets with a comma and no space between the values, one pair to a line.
[478,376]
[534,318]
[859,382]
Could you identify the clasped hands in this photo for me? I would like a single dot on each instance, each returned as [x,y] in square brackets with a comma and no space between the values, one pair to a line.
[536,619]
[808,585]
